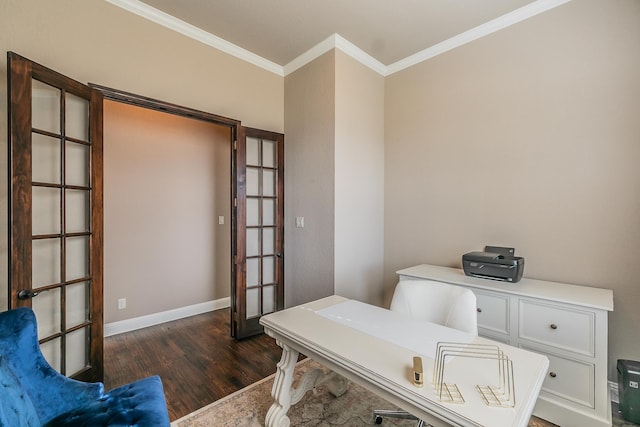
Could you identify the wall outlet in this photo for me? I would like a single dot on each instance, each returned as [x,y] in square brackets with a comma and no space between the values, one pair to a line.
[122,303]
[299,222]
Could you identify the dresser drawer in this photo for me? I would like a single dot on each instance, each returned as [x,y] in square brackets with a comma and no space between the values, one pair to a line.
[557,326]
[569,379]
[493,311]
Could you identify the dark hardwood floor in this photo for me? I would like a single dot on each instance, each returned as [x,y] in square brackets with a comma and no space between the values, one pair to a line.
[196,358]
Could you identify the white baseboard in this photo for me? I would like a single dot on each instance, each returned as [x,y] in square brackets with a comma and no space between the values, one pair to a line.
[122,326]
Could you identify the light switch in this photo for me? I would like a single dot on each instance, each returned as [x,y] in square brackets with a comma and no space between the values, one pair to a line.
[299,222]
[221,220]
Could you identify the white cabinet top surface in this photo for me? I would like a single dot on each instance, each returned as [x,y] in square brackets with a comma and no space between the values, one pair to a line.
[559,292]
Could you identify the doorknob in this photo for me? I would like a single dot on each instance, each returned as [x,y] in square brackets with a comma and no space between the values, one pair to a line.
[27,293]
[279,254]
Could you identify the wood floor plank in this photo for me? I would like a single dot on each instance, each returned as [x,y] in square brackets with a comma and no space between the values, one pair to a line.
[196,358]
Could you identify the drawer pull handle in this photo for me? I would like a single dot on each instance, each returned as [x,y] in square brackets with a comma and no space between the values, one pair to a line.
[553,326]
[552,374]
[479,310]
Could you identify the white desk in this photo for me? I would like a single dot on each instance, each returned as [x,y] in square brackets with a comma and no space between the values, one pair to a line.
[384,366]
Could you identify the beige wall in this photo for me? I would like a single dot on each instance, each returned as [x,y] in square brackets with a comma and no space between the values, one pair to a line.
[309,180]
[359,180]
[528,138]
[166,182]
[93,41]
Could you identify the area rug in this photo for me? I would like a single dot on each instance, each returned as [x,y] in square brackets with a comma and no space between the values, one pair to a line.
[248,407]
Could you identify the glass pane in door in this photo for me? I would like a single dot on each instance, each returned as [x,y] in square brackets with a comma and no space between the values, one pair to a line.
[51,352]
[76,117]
[77,254]
[253,151]
[77,165]
[253,272]
[45,158]
[77,211]
[268,270]
[77,296]
[46,306]
[253,212]
[268,212]
[46,203]
[253,242]
[46,256]
[253,182]
[268,153]
[268,299]
[268,183]
[45,107]
[253,302]
[268,241]
[77,350]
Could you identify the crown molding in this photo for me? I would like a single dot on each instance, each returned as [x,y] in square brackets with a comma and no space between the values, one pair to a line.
[359,55]
[335,41]
[315,52]
[171,22]
[504,21]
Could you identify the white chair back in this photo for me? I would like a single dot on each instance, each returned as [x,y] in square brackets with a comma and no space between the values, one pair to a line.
[437,302]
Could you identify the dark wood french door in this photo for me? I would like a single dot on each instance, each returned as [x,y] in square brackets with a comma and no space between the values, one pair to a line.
[56,213]
[259,228]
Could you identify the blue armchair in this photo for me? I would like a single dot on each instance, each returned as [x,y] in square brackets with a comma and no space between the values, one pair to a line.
[32,393]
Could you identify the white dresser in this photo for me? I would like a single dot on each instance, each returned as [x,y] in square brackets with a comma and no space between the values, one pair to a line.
[566,323]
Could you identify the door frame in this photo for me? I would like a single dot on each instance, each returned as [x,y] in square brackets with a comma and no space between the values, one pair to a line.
[239,328]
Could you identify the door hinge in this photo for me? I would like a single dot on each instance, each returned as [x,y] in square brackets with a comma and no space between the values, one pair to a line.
[235,144]
[235,202]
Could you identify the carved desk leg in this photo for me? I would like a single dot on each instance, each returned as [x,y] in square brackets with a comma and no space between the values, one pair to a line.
[281,391]
[284,395]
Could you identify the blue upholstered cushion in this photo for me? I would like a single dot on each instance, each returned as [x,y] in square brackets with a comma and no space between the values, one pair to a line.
[16,408]
[139,404]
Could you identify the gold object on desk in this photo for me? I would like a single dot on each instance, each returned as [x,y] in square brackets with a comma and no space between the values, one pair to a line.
[500,395]
[417,372]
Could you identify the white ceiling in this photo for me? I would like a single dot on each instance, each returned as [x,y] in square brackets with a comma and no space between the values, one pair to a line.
[386,30]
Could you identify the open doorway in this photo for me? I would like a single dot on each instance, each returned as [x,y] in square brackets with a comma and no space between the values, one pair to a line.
[167,212]
[257,213]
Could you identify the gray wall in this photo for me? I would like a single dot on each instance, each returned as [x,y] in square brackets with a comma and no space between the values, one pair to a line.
[309,181]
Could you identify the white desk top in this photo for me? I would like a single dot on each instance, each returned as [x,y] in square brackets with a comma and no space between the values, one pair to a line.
[393,327]
[385,366]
